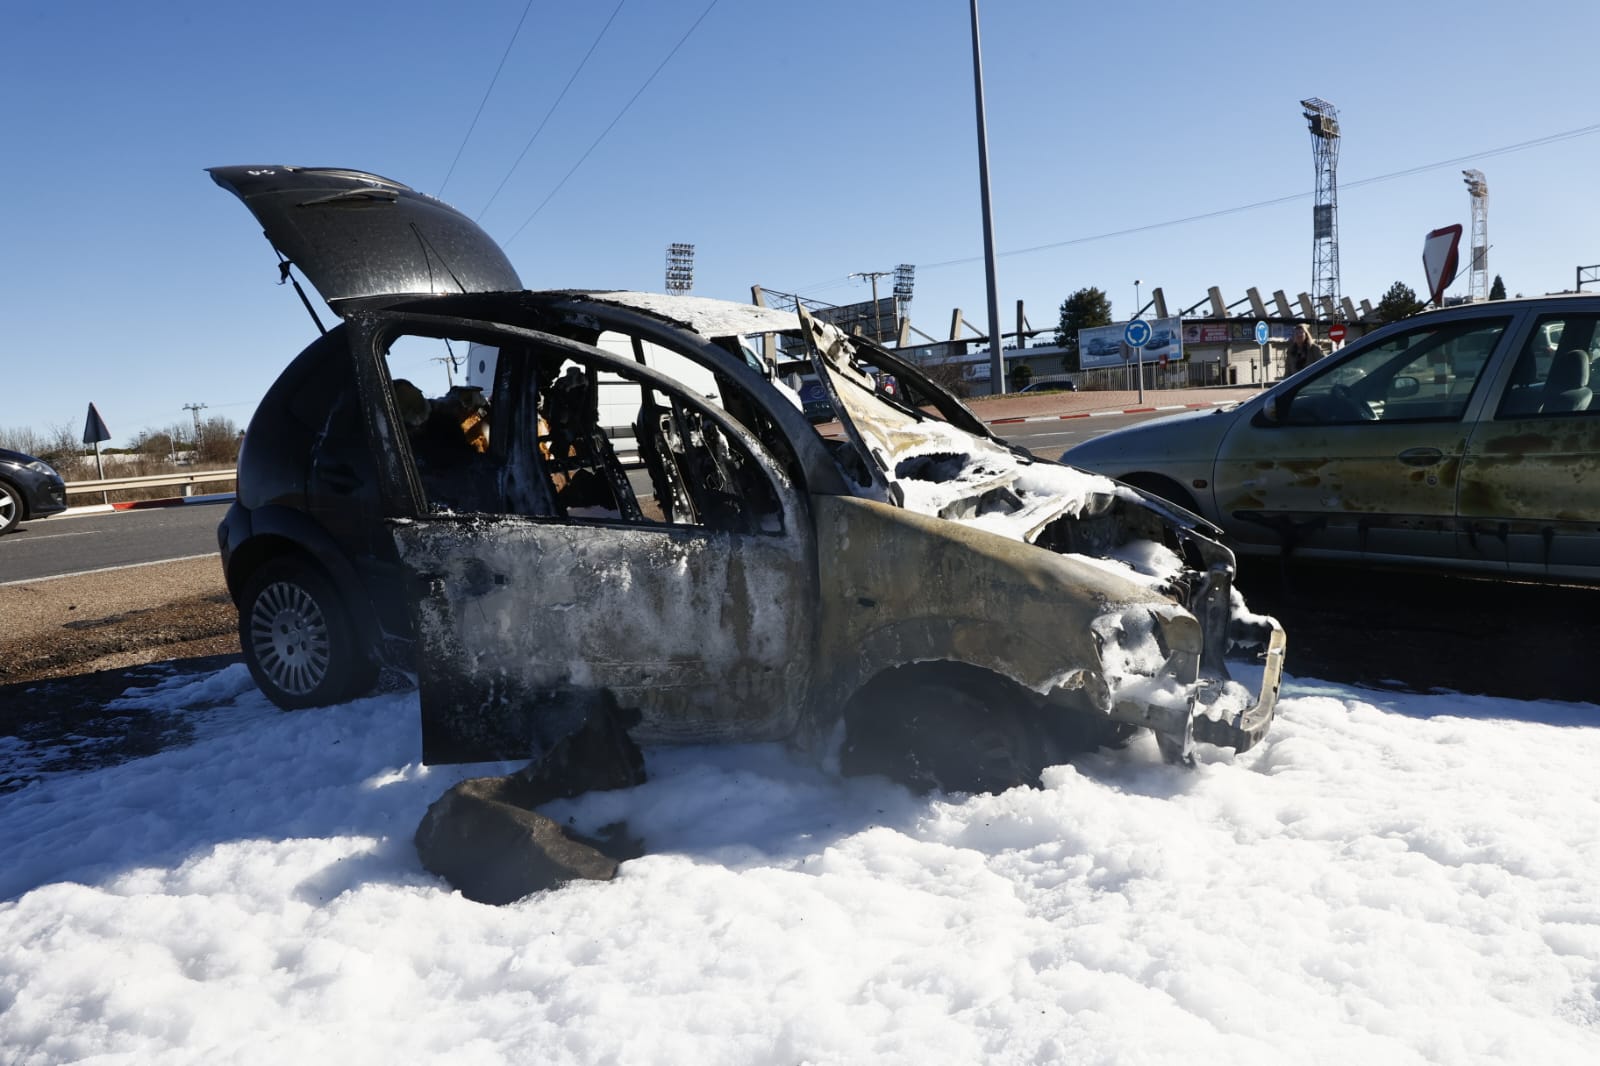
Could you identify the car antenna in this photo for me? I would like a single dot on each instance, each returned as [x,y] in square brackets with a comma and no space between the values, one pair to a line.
[283,275]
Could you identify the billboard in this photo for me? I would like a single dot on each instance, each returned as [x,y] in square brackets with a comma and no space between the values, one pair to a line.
[879,320]
[1103,345]
[1237,331]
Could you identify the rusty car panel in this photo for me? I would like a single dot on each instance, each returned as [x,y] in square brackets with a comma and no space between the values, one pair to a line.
[1466,438]
[707,634]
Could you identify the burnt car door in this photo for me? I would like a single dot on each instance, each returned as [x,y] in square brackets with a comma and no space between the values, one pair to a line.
[1530,480]
[549,572]
[1361,457]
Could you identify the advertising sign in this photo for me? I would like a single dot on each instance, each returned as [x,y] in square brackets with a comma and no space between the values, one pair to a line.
[1105,346]
[879,321]
[1101,346]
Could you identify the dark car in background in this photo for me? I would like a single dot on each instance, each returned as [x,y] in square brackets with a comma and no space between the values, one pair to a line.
[29,488]
[1464,439]
[1038,385]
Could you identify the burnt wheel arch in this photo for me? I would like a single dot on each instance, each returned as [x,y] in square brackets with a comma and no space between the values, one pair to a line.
[946,726]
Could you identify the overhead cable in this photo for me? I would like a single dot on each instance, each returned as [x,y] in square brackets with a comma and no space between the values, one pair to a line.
[518,232]
[562,96]
[485,100]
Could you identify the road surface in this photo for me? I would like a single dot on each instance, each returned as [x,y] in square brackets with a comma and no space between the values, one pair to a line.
[71,544]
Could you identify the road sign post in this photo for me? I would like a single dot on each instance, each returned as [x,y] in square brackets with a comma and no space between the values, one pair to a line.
[1262,335]
[95,431]
[1137,335]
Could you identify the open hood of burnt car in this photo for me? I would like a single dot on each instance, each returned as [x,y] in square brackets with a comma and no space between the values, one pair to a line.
[365,241]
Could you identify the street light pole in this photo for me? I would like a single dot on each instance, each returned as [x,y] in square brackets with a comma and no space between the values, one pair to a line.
[997,364]
[877,319]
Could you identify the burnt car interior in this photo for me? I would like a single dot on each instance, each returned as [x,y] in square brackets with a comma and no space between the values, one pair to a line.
[538,448]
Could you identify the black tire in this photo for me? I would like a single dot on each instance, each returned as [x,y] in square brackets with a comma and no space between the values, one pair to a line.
[298,638]
[944,728]
[11,507]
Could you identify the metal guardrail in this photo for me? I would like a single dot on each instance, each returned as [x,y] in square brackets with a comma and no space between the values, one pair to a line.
[188,480]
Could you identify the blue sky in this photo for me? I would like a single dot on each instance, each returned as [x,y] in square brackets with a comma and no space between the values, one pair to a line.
[793,144]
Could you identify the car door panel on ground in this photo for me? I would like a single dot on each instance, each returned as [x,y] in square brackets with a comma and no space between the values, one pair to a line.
[1530,479]
[1363,457]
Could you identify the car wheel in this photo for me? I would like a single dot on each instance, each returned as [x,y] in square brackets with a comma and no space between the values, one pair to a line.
[298,638]
[10,507]
[931,728]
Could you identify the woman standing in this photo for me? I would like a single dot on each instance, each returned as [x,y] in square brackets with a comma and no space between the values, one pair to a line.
[1301,352]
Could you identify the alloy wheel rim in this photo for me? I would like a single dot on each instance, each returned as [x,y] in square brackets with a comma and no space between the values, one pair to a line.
[8,505]
[289,635]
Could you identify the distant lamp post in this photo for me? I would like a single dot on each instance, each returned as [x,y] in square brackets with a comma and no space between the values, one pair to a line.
[997,363]
[877,317]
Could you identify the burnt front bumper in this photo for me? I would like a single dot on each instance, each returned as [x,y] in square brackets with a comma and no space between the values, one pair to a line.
[1164,667]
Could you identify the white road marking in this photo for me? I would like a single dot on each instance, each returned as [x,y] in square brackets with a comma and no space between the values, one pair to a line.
[107,569]
[33,537]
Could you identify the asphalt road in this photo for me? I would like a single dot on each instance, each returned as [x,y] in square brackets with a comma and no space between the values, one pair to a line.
[79,543]
[1049,438]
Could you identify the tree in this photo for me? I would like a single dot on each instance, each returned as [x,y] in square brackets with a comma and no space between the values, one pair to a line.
[156,442]
[219,441]
[1497,291]
[1021,375]
[1399,302]
[1083,309]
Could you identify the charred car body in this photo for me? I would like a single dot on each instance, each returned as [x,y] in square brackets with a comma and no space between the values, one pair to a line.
[911,585]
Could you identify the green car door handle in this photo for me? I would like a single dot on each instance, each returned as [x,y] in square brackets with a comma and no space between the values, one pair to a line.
[1421,456]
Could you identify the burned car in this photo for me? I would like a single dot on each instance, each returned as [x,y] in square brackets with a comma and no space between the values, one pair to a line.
[912,595]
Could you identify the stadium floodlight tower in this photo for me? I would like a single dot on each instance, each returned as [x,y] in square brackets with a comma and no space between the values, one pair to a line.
[680,269]
[905,276]
[1323,119]
[1478,279]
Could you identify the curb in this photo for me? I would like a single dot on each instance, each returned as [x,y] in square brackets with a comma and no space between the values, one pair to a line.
[1141,410]
[139,505]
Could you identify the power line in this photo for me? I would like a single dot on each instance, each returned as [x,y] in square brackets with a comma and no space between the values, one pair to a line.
[485,100]
[563,95]
[603,133]
[1537,142]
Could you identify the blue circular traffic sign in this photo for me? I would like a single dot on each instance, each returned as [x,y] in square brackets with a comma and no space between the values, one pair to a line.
[1261,332]
[1137,333]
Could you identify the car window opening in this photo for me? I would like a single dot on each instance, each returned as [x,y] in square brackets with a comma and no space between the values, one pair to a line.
[668,464]
[1555,371]
[1427,375]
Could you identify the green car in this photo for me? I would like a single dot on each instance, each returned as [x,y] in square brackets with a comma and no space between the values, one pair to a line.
[1462,439]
